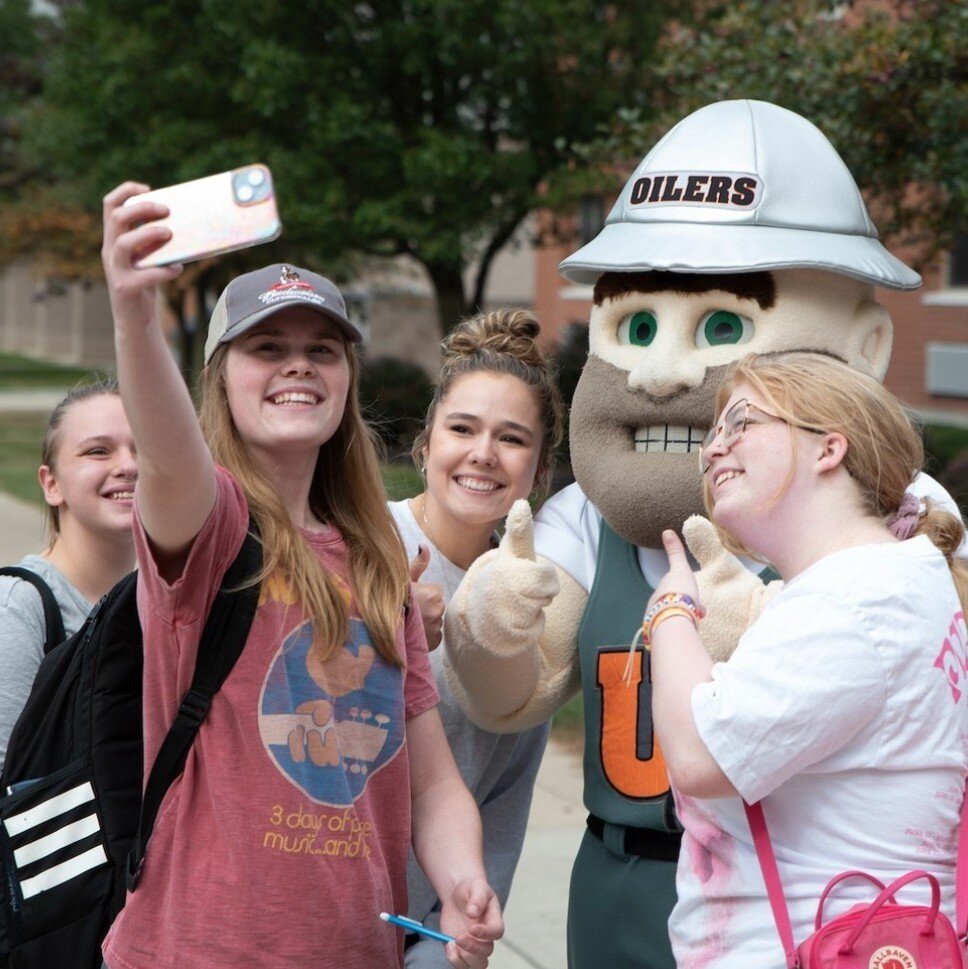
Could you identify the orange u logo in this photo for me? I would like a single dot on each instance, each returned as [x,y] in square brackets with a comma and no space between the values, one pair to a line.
[625,770]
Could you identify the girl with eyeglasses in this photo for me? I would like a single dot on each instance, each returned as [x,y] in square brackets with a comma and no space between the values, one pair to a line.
[843,707]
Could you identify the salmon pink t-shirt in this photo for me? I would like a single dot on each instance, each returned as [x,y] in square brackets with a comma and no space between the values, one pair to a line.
[288,832]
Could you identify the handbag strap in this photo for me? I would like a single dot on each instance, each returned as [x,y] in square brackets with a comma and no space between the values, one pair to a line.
[961,872]
[774,888]
[771,875]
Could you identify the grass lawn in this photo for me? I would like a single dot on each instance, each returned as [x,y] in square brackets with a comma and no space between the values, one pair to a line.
[401,480]
[20,446]
[25,373]
[20,436]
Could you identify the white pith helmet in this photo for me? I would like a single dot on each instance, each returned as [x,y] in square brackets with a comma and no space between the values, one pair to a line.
[740,186]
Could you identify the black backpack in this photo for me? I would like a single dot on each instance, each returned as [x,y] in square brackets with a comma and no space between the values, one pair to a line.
[73,823]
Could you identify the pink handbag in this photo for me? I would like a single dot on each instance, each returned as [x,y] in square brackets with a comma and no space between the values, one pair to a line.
[880,934]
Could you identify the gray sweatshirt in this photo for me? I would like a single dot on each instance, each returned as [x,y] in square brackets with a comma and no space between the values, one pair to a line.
[499,769]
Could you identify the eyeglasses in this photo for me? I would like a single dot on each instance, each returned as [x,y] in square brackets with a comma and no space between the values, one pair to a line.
[733,426]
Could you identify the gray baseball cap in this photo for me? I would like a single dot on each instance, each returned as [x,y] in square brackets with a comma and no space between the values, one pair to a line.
[252,297]
[740,186]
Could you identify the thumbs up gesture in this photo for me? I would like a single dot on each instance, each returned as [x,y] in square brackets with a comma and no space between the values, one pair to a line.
[428,597]
[507,590]
[733,596]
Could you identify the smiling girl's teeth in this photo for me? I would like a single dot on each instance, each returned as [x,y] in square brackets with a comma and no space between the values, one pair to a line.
[725,476]
[293,397]
[123,496]
[475,484]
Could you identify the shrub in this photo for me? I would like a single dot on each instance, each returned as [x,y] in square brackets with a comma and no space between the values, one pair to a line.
[395,395]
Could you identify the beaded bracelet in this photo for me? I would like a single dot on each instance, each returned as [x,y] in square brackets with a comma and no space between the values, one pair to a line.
[680,602]
[667,605]
[673,598]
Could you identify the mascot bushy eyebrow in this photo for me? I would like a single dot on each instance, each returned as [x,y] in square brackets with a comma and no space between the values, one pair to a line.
[742,230]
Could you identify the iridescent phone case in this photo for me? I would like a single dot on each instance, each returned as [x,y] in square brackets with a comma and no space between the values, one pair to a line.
[216,214]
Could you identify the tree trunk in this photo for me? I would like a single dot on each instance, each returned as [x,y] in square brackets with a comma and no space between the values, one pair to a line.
[451,302]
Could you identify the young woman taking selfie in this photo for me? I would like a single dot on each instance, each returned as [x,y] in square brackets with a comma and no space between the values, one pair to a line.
[288,832]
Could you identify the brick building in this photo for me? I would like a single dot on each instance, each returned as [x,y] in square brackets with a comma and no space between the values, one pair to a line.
[929,362]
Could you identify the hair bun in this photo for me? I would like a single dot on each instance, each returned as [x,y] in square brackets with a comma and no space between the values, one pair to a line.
[506,332]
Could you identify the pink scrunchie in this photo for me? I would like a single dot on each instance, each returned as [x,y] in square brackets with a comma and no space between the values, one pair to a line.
[905,520]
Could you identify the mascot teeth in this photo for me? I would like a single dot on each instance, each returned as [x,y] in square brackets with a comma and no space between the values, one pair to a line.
[680,438]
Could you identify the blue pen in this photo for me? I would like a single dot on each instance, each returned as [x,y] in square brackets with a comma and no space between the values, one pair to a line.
[412,925]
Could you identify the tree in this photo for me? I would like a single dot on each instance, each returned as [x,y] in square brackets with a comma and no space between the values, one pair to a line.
[20,81]
[393,127]
[887,82]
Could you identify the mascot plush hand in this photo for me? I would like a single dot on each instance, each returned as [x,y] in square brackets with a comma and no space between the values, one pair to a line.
[735,595]
[741,231]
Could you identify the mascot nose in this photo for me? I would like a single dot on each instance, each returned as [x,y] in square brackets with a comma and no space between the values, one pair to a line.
[663,374]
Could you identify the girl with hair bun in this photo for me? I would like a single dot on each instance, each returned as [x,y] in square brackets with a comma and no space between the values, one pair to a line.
[488,439]
[843,707]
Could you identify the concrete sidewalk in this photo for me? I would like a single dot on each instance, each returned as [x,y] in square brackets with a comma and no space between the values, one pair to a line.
[535,916]
[21,529]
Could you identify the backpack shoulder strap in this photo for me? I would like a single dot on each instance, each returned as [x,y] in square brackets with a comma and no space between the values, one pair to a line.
[223,639]
[53,621]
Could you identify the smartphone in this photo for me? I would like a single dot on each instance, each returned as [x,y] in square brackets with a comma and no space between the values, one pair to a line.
[216,214]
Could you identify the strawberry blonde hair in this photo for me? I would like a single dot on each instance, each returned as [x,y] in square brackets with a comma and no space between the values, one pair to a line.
[884,448]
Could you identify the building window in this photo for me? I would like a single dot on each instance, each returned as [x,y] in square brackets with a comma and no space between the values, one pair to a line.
[953,288]
[591,217]
[958,264]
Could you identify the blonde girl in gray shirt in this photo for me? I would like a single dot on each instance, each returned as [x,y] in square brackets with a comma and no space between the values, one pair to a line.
[87,473]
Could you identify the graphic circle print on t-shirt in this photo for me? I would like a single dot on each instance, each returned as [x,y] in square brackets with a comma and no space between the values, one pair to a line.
[331,726]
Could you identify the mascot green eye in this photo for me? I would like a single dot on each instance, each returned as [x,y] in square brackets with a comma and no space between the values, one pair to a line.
[637,329]
[722,328]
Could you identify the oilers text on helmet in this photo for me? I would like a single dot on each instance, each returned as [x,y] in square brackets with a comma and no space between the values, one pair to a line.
[738,190]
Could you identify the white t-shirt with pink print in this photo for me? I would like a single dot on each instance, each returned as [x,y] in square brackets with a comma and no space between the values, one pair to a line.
[845,708]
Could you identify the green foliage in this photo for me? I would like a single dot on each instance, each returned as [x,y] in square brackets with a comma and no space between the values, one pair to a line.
[395,395]
[946,453]
[20,77]
[397,126]
[570,360]
[886,82]
[569,722]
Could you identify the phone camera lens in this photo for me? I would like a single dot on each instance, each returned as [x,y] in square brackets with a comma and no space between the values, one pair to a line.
[251,185]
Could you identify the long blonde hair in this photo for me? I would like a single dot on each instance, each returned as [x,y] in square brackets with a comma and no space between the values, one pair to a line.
[505,342]
[884,448]
[347,491]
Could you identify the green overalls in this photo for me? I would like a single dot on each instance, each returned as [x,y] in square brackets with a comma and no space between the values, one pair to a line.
[623,881]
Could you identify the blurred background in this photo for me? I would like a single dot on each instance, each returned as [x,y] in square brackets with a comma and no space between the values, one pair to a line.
[436,156]
[439,156]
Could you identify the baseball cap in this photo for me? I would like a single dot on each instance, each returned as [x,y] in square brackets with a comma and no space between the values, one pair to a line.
[252,297]
[740,186]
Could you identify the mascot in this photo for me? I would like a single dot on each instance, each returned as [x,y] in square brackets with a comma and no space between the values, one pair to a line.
[742,230]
